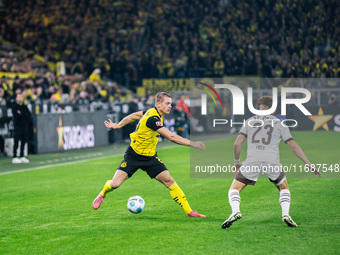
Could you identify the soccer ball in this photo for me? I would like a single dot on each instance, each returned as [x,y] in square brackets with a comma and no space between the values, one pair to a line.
[136,204]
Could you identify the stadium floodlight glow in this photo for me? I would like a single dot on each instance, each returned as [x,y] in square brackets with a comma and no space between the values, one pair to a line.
[238,100]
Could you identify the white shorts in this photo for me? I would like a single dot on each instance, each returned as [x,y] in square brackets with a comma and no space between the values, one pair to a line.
[250,171]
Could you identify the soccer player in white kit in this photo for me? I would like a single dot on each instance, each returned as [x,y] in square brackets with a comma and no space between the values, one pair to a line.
[263,134]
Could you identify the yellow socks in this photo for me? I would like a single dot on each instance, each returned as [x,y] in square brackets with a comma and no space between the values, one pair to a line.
[179,197]
[107,188]
[175,192]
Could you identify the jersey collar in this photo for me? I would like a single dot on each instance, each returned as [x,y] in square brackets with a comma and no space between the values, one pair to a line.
[158,112]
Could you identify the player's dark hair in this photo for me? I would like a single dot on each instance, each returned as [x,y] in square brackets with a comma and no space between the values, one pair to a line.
[160,96]
[265,100]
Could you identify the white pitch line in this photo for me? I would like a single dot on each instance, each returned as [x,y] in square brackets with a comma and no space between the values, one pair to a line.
[53,165]
[72,162]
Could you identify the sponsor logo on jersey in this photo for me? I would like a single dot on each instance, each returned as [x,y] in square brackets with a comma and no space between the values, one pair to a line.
[158,123]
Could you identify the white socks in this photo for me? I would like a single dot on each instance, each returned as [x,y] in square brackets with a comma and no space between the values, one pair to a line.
[234,200]
[285,201]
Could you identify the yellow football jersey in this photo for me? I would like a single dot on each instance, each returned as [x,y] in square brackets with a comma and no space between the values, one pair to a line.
[145,138]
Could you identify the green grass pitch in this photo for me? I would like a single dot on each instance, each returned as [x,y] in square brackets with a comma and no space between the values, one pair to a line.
[49,211]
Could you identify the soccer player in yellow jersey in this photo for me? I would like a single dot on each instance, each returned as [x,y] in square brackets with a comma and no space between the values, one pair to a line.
[142,152]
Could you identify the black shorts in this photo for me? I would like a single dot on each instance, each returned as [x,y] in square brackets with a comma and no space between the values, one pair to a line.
[133,161]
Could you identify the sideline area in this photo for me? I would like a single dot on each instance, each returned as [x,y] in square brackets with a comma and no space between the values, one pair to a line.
[41,161]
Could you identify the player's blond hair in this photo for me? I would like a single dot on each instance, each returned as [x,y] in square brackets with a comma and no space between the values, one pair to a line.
[265,100]
[160,96]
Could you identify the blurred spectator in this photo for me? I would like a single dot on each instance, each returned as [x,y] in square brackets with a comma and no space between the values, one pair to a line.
[2,96]
[181,122]
[181,65]
[95,76]
[219,67]
[57,96]
[83,98]
[92,91]
[150,102]
[22,124]
[133,105]
[195,38]
[182,102]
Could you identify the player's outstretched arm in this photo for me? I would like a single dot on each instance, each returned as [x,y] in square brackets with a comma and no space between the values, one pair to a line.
[299,152]
[238,145]
[180,140]
[128,119]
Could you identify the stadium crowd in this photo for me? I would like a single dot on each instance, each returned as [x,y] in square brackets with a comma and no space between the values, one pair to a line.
[126,41]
